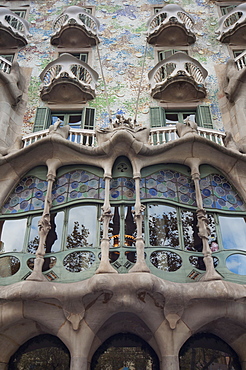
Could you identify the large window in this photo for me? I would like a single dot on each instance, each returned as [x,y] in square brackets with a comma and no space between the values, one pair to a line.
[84,118]
[160,117]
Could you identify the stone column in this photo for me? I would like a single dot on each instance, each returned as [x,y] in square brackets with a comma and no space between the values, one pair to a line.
[140,265]
[3,366]
[78,363]
[105,266]
[204,231]
[170,362]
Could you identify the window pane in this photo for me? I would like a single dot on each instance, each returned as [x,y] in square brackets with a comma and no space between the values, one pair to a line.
[171,118]
[74,121]
[233,231]
[82,227]
[53,241]
[192,117]
[55,117]
[33,238]
[130,227]
[163,226]
[114,227]
[12,235]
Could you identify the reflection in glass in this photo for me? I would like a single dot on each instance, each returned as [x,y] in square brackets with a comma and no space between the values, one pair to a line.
[236,263]
[163,227]
[199,263]
[12,234]
[9,265]
[53,241]
[79,261]
[82,227]
[192,241]
[130,227]
[233,232]
[114,228]
[166,261]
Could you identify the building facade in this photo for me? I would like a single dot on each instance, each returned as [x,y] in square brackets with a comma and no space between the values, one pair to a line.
[123,184]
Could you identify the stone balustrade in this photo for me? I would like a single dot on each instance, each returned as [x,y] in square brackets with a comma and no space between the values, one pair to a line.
[231,26]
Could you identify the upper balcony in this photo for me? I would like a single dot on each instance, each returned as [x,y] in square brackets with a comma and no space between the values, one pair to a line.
[240,60]
[68,79]
[171,26]
[13,29]
[75,28]
[232,26]
[178,78]
[5,65]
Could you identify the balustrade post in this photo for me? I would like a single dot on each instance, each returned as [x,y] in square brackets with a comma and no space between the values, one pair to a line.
[140,265]
[105,266]
[204,231]
[43,230]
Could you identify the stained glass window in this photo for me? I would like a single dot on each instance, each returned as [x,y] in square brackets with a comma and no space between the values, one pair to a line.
[29,195]
[218,193]
[122,188]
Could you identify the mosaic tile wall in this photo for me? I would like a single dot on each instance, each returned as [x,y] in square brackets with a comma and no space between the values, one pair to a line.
[123,38]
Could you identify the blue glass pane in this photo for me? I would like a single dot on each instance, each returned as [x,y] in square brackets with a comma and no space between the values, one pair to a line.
[236,263]
[233,232]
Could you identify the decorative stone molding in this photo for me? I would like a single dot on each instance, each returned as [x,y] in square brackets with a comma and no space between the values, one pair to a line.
[178,78]
[14,30]
[188,127]
[172,25]
[232,26]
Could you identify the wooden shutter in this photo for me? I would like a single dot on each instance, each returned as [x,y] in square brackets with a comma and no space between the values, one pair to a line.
[157,117]
[204,116]
[42,119]
[88,118]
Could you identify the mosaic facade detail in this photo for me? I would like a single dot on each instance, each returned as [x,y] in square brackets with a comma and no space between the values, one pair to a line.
[77,185]
[168,184]
[29,195]
[218,193]
[122,189]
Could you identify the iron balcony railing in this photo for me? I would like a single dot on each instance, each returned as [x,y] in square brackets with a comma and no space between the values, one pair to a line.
[68,66]
[77,15]
[170,13]
[158,135]
[179,64]
[12,21]
[5,65]
[228,22]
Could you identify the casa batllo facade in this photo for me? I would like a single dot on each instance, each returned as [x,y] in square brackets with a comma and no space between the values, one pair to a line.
[123,185]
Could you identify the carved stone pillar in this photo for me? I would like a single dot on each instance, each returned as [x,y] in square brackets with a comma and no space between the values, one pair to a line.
[140,265]
[43,230]
[105,266]
[204,232]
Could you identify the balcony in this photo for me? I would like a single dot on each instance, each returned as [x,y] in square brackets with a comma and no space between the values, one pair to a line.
[178,78]
[240,60]
[68,79]
[13,30]
[75,28]
[171,26]
[232,26]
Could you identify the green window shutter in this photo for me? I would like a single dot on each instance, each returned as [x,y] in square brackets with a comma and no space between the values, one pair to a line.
[42,119]
[204,116]
[88,118]
[157,117]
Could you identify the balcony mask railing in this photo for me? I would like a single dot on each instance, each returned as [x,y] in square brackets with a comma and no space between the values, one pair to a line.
[158,135]
[77,15]
[12,21]
[229,21]
[162,135]
[170,13]
[5,65]
[240,60]
[67,66]
[179,64]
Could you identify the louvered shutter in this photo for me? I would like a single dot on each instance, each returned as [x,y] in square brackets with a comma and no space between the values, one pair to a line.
[88,118]
[42,119]
[157,117]
[204,116]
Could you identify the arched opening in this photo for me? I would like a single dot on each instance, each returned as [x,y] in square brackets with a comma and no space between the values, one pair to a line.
[41,352]
[125,351]
[205,351]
